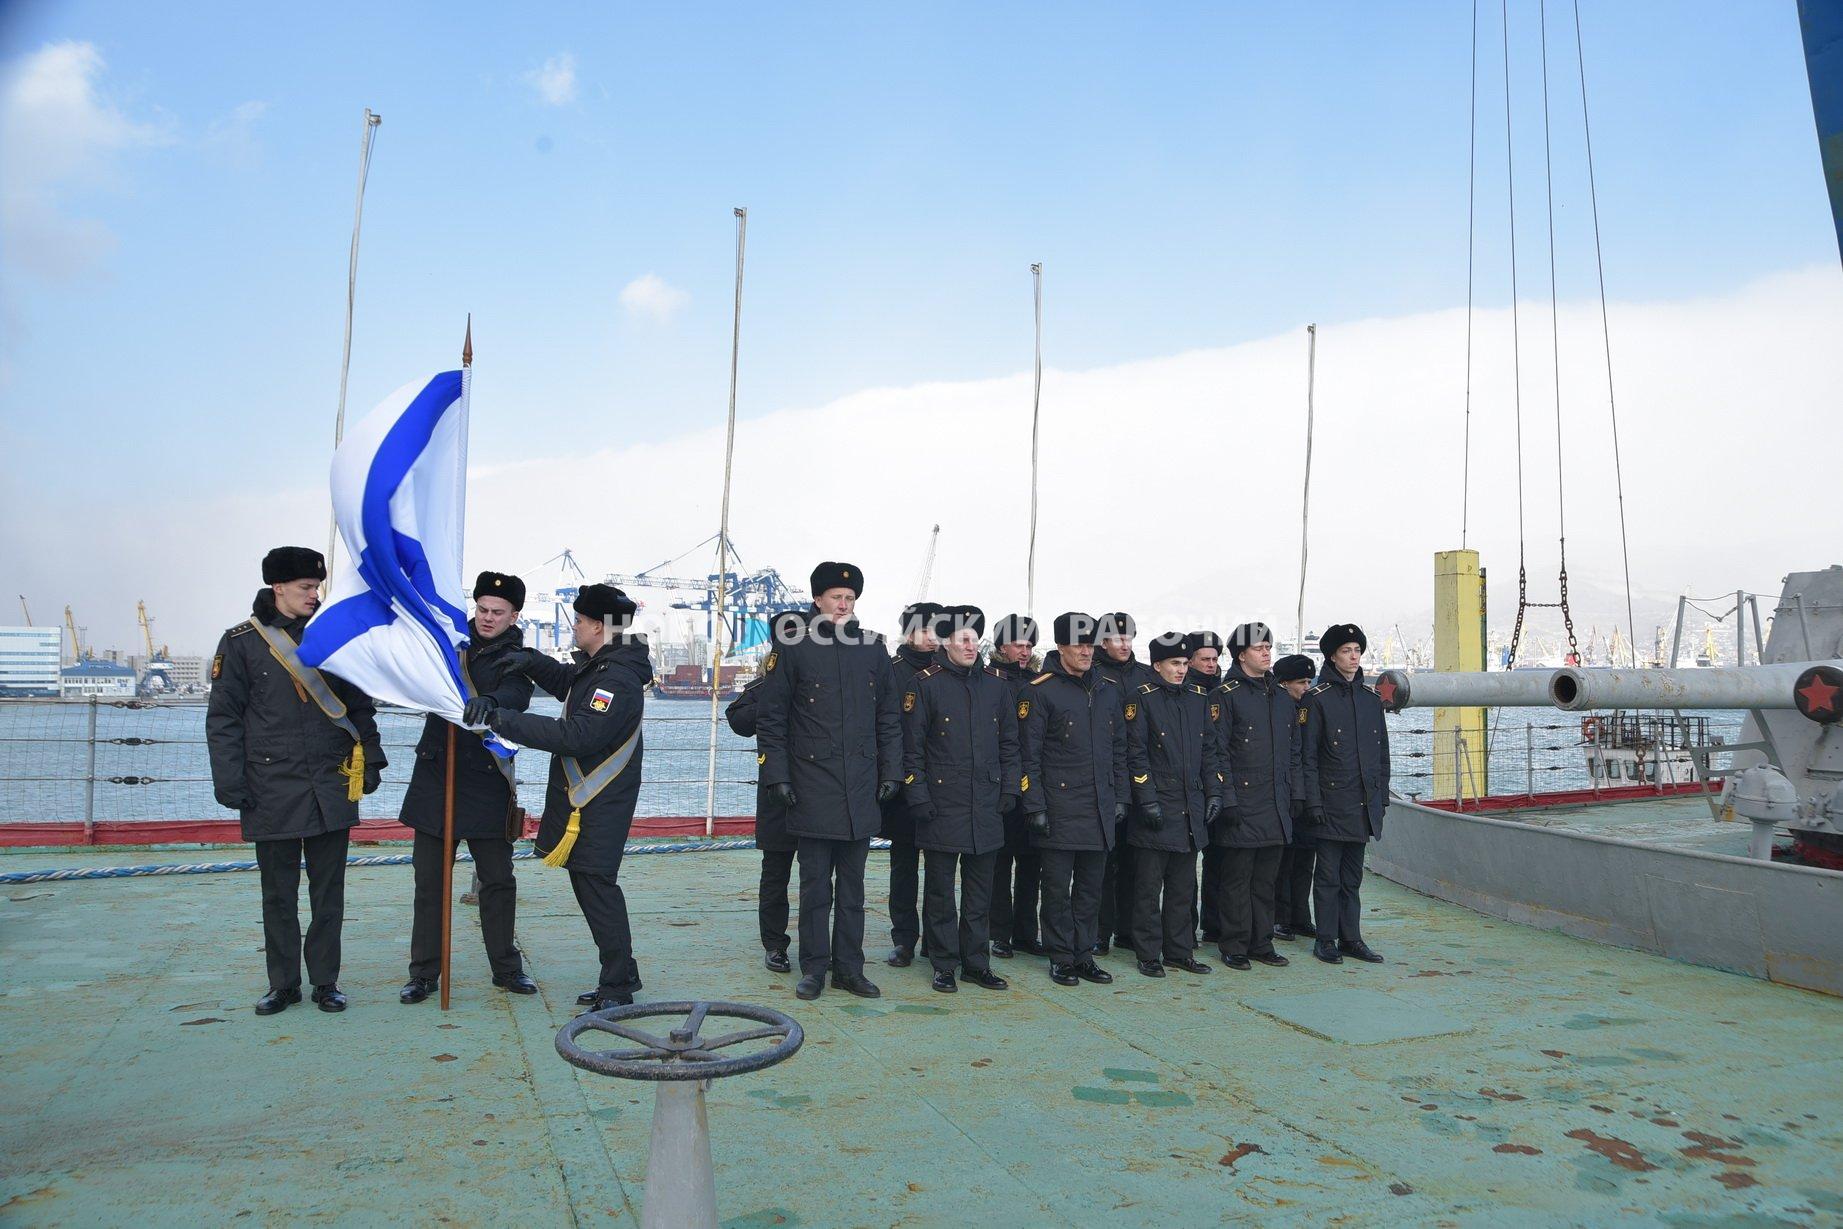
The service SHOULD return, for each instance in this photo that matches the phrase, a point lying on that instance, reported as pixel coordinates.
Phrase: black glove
(1296, 810)
(521, 659)
(1211, 809)
(1119, 813)
(1038, 822)
(888, 790)
(921, 812)
(782, 795)
(1315, 815)
(1008, 803)
(478, 711)
(373, 776)
(1152, 816)
(1231, 818)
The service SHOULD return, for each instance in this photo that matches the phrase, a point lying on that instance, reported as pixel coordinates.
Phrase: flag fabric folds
(397, 619)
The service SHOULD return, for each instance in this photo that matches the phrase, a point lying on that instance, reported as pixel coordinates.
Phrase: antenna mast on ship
(723, 535)
(372, 120)
(1036, 407)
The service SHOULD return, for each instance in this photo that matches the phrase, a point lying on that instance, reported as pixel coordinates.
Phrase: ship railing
(125, 760)
(1544, 760)
(129, 759)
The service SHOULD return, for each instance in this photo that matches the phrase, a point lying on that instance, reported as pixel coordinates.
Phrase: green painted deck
(1487, 1075)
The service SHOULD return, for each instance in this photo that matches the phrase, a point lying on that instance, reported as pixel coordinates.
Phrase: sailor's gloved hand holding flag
(396, 620)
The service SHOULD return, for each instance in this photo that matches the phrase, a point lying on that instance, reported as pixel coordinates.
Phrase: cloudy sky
(175, 209)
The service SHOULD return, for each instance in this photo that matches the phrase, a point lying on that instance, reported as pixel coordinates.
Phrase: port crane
(27, 609)
(77, 651)
(157, 675)
(926, 576)
(750, 598)
(560, 600)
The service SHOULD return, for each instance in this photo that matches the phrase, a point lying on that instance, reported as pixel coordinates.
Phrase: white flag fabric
(397, 619)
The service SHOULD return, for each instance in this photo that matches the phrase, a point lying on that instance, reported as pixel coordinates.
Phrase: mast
(718, 626)
(1036, 408)
(1305, 498)
(345, 358)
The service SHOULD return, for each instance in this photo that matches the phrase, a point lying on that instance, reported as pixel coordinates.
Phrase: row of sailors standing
(1078, 791)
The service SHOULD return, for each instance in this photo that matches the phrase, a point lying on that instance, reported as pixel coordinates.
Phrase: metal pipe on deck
(1760, 687)
(1464, 689)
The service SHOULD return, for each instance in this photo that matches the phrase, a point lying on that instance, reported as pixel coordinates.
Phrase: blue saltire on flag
(396, 621)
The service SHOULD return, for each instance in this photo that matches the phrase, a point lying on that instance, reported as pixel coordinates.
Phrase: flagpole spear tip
(467, 343)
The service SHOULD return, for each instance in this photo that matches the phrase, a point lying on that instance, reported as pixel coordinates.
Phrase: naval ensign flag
(397, 620)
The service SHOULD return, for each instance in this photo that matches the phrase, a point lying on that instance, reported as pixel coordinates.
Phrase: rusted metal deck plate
(1488, 1073)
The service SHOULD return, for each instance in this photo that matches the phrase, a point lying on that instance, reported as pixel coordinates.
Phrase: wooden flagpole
(467, 360)
(447, 865)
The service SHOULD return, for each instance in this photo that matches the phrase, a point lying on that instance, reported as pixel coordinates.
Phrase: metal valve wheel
(684, 1053)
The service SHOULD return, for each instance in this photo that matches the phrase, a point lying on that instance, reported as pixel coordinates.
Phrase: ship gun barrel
(1765, 687)
(1401, 689)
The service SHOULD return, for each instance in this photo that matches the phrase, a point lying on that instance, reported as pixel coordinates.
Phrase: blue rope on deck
(378, 859)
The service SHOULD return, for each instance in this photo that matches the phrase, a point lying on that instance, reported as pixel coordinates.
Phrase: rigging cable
(1612, 405)
(1561, 499)
(1471, 234)
(1516, 351)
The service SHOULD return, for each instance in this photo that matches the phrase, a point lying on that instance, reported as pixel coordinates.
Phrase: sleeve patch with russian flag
(601, 699)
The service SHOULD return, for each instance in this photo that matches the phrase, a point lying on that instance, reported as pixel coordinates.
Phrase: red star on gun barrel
(1386, 689)
(1820, 697)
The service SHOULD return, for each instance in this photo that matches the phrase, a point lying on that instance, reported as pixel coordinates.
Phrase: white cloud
(232, 138)
(59, 137)
(555, 80)
(651, 295)
(1170, 486)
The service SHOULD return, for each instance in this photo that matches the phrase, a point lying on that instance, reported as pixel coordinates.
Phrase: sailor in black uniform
(1292, 893)
(914, 654)
(1015, 873)
(1345, 761)
(1078, 771)
(596, 753)
(1256, 724)
(1115, 658)
(961, 777)
(777, 845)
(486, 812)
(292, 750)
(1179, 744)
(829, 730)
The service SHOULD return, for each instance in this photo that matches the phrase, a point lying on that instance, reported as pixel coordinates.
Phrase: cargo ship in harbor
(692, 682)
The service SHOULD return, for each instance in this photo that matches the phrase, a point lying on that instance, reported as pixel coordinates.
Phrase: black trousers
(1335, 885)
(959, 937)
(279, 864)
(1014, 908)
(1164, 902)
(905, 890)
(1115, 924)
(1072, 902)
(1247, 900)
(832, 905)
(1210, 898)
(771, 907)
(498, 893)
(1292, 891)
(604, 907)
